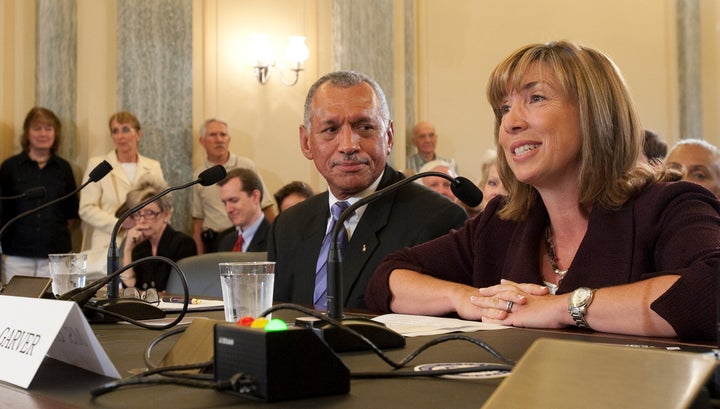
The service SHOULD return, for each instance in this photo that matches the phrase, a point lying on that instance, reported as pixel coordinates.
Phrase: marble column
(689, 69)
(363, 40)
(410, 76)
(154, 81)
(56, 69)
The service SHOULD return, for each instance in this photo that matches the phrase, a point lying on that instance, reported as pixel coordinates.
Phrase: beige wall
(458, 42)
(263, 119)
(710, 37)
(17, 59)
(460, 45)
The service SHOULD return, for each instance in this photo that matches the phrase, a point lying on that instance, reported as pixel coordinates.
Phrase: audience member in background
(27, 242)
(442, 185)
(698, 161)
(242, 192)
(654, 149)
(586, 238)
(210, 220)
(152, 235)
(347, 132)
(100, 200)
(437, 183)
(490, 182)
(292, 194)
(425, 140)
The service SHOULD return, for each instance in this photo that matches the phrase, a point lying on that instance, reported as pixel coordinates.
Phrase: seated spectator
(654, 149)
(425, 140)
(242, 192)
(292, 194)
(490, 182)
(152, 235)
(698, 161)
(437, 183)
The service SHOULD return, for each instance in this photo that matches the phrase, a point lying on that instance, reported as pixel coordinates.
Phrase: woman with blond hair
(152, 235)
(99, 201)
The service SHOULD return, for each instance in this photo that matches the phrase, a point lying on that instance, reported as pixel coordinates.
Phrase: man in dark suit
(242, 191)
(348, 134)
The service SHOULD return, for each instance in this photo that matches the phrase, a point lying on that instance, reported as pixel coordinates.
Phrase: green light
(276, 324)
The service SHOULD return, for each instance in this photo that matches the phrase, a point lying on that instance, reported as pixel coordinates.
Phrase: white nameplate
(31, 328)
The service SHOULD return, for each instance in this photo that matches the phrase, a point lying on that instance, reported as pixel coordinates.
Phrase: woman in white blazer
(99, 201)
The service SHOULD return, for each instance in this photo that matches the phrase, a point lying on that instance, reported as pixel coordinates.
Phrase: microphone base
(129, 307)
(341, 341)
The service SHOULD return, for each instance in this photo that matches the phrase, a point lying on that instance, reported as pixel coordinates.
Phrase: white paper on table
(200, 304)
(417, 325)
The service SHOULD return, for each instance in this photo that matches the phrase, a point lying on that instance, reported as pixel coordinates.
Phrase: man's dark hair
(298, 187)
(249, 179)
(653, 147)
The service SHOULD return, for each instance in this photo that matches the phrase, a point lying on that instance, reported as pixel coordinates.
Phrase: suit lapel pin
(364, 247)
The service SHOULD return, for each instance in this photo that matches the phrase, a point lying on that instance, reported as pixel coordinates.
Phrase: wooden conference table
(58, 385)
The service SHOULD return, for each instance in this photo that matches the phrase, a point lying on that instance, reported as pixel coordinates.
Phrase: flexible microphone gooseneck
(127, 307)
(32, 193)
(461, 187)
(376, 332)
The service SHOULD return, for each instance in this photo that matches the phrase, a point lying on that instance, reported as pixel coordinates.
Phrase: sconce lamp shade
(297, 51)
(262, 57)
(260, 51)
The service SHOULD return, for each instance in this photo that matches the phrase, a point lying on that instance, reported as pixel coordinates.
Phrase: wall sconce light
(262, 56)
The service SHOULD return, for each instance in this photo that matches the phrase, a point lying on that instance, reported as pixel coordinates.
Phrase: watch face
(581, 296)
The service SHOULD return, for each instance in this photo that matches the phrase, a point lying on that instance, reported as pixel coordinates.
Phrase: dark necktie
(320, 294)
(238, 243)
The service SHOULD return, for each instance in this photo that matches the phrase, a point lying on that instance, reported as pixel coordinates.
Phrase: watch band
(578, 314)
(578, 309)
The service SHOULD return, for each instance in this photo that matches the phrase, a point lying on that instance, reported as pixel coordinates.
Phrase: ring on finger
(508, 307)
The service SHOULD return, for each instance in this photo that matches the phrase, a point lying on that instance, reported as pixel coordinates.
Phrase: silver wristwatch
(578, 304)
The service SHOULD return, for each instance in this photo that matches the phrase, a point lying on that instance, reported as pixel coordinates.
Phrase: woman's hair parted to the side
(42, 116)
(611, 131)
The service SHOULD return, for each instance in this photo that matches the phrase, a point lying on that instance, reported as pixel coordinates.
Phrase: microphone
(380, 335)
(32, 193)
(99, 172)
(210, 176)
(114, 303)
(466, 191)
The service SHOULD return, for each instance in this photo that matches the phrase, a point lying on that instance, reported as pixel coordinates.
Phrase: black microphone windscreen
(212, 175)
(102, 169)
(466, 191)
(35, 193)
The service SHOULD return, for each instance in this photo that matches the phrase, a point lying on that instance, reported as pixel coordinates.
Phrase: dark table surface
(58, 385)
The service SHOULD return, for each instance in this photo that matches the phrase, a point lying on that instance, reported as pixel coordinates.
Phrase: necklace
(551, 253)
